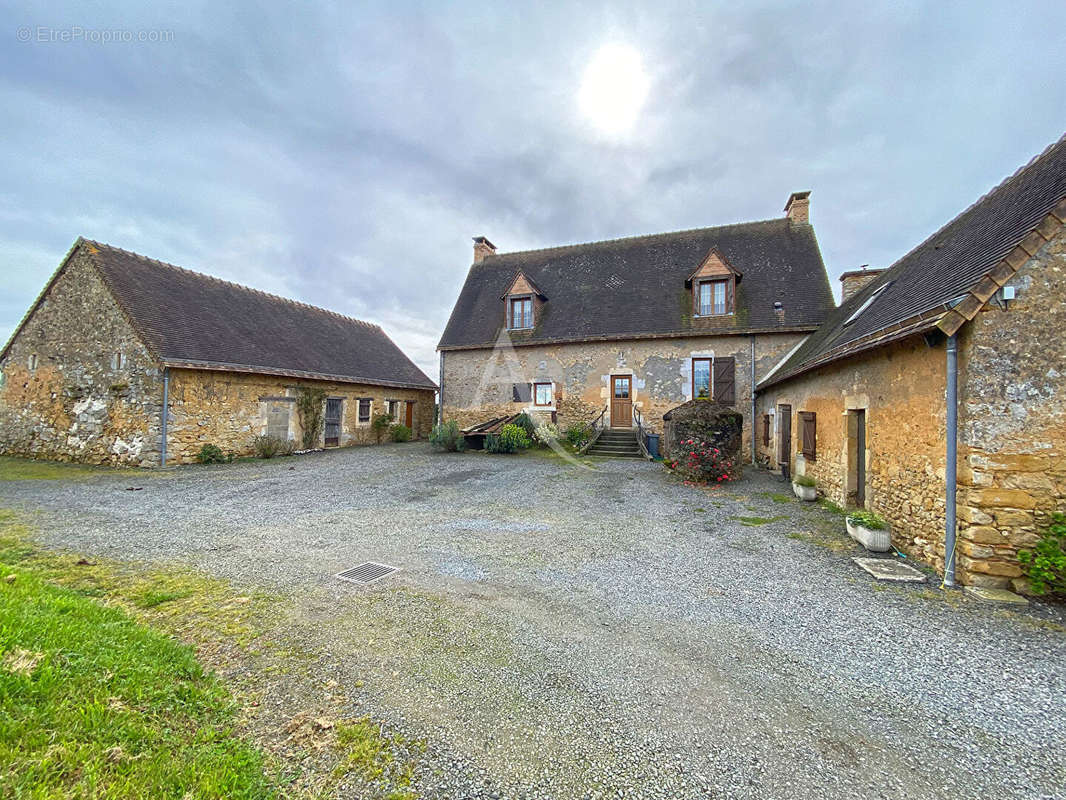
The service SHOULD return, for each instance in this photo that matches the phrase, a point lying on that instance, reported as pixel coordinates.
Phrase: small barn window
(391, 407)
(765, 430)
(31, 362)
(118, 360)
(808, 434)
(365, 404)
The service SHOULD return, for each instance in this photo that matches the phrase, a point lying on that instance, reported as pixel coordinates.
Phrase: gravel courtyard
(559, 631)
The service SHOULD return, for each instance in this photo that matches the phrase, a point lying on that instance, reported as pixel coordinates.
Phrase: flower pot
(807, 493)
(875, 541)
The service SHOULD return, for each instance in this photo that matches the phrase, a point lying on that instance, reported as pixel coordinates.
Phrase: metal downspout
(751, 337)
(951, 467)
(166, 404)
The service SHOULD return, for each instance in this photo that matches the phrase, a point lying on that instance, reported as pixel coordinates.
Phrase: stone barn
(935, 395)
(127, 360)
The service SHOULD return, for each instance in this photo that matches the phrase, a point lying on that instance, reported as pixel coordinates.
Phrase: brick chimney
(798, 208)
(854, 279)
(482, 248)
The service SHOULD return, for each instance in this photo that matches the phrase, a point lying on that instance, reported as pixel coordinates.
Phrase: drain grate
(367, 572)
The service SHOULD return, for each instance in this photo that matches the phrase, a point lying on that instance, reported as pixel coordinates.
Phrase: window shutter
(729, 284)
(508, 312)
(520, 392)
(725, 381)
(810, 434)
(766, 430)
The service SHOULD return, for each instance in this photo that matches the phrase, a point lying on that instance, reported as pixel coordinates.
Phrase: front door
(784, 438)
(333, 421)
(621, 401)
(410, 418)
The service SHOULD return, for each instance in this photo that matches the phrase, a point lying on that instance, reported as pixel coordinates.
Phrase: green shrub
(805, 480)
(380, 424)
(578, 435)
(868, 520)
(525, 422)
(270, 446)
(310, 406)
(1045, 564)
(399, 433)
(510, 439)
(448, 437)
(212, 454)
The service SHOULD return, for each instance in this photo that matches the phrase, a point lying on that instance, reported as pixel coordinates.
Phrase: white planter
(874, 541)
(807, 493)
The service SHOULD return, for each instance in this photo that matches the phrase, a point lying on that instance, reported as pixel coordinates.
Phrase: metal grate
(367, 572)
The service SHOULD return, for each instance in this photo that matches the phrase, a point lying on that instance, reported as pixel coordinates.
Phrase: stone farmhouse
(124, 359)
(632, 328)
(935, 394)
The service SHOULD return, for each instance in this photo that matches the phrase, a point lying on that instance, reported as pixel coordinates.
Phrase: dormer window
(712, 298)
(521, 313)
(713, 286)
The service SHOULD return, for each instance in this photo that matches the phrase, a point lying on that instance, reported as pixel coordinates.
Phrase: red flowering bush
(700, 462)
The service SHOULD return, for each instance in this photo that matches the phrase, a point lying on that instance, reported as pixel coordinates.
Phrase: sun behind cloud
(614, 88)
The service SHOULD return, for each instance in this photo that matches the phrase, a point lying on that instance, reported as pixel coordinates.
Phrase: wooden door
(860, 458)
(621, 401)
(410, 418)
(784, 435)
(333, 421)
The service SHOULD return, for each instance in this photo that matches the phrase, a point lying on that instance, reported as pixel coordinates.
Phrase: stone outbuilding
(622, 331)
(975, 315)
(124, 359)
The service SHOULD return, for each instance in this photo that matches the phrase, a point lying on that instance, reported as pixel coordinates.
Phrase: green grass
(95, 704)
(776, 497)
(830, 506)
(753, 522)
(24, 469)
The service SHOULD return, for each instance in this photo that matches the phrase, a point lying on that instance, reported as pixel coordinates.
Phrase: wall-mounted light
(1005, 295)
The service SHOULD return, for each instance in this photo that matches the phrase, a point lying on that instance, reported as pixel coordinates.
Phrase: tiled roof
(189, 319)
(635, 287)
(916, 292)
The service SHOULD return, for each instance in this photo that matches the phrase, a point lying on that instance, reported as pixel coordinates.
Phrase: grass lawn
(92, 703)
(25, 469)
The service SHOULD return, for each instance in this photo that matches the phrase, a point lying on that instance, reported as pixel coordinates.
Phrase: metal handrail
(642, 433)
(597, 425)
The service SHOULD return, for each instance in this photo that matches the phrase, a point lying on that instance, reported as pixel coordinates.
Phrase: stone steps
(616, 444)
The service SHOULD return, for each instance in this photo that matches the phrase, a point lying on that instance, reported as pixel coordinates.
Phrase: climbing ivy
(310, 405)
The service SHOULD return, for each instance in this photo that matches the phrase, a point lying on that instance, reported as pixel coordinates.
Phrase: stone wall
(95, 394)
(901, 390)
(230, 409)
(1012, 419)
(477, 384)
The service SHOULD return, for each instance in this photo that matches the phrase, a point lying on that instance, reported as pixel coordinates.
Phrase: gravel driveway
(558, 631)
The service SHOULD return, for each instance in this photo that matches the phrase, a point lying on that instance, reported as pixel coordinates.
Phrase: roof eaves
(253, 369)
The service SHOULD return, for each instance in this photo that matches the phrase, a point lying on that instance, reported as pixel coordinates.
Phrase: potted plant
(803, 486)
(869, 530)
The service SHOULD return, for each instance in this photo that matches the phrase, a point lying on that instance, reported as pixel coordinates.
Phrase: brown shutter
(725, 380)
(809, 432)
(766, 430)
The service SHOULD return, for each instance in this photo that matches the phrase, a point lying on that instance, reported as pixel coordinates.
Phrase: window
(118, 361)
(521, 312)
(365, 406)
(542, 394)
(31, 362)
(391, 407)
(808, 434)
(701, 378)
(714, 379)
(712, 298)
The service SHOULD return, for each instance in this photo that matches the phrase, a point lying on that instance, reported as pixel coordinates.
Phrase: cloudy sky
(344, 154)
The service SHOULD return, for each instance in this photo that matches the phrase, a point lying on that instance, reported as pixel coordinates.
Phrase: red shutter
(725, 381)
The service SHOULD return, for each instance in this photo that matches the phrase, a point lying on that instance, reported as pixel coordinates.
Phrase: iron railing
(642, 432)
(597, 426)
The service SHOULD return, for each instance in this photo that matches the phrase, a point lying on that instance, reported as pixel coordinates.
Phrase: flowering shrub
(546, 433)
(700, 462)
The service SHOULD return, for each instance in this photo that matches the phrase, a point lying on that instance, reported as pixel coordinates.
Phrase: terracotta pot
(875, 541)
(807, 493)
